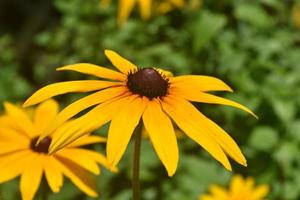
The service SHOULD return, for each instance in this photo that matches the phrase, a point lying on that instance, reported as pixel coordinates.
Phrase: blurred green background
(254, 46)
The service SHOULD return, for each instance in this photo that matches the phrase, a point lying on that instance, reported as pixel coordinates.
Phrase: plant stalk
(136, 163)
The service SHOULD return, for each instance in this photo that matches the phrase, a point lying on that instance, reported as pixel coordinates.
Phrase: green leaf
(263, 138)
(206, 26)
(253, 14)
(293, 130)
(284, 109)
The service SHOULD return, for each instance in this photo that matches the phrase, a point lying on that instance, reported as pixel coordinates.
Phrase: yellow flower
(147, 94)
(125, 7)
(240, 189)
(19, 154)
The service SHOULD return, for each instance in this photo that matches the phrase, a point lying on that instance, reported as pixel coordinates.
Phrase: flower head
(20, 155)
(147, 94)
(240, 188)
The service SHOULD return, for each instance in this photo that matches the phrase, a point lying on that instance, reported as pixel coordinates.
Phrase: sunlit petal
(209, 98)
(31, 178)
(197, 83)
(162, 135)
(183, 113)
(44, 115)
(122, 127)
(125, 8)
(53, 175)
(87, 140)
(84, 125)
(124, 65)
(20, 118)
(66, 87)
(82, 104)
(12, 165)
(91, 69)
(80, 177)
(145, 6)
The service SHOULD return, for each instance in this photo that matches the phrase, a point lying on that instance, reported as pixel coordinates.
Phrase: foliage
(252, 45)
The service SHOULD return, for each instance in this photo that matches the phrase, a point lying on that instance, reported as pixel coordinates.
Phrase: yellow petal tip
(6, 104)
(228, 167)
(27, 103)
(170, 174)
(107, 51)
(60, 69)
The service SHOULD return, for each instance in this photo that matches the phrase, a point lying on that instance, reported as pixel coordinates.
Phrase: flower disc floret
(148, 82)
(42, 146)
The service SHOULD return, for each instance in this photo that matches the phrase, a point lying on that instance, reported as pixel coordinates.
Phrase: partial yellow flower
(20, 156)
(126, 7)
(147, 94)
(296, 15)
(240, 189)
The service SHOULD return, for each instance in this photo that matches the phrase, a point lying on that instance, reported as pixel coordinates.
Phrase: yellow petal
(122, 127)
(221, 137)
(177, 3)
(81, 105)
(53, 175)
(89, 155)
(91, 121)
(209, 98)
(87, 140)
(31, 178)
(20, 118)
(83, 179)
(10, 147)
(260, 192)
(145, 7)
(90, 69)
(9, 135)
(119, 62)
(236, 185)
(44, 115)
(11, 131)
(207, 197)
(81, 159)
(105, 3)
(125, 8)
(13, 164)
(218, 192)
(164, 7)
(196, 83)
(185, 115)
(66, 87)
(249, 184)
(162, 135)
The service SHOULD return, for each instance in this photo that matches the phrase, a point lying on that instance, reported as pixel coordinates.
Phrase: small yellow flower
(148, 94)
(240, 189)
(125, 7)
(20, 156)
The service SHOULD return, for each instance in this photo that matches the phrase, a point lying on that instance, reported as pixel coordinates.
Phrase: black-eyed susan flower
(20, 156)
(240, 189)
(146, 94)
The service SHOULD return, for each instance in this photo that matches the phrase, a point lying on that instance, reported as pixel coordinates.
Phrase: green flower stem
(45, 190)
(136, 163)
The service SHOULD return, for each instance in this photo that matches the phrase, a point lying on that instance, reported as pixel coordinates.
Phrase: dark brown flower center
(42, 147)
(148, 82)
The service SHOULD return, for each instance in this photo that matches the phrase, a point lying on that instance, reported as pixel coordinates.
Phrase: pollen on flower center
(148, 82)
(43, 146)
